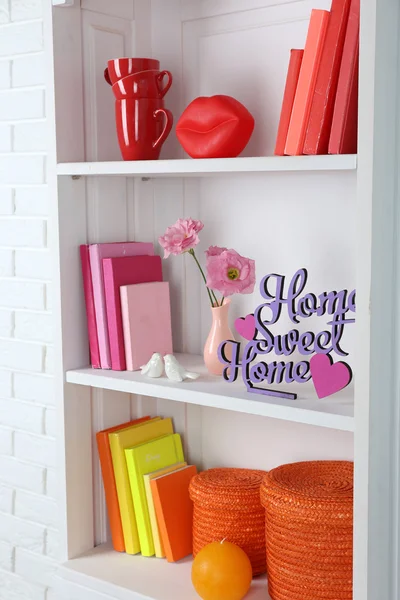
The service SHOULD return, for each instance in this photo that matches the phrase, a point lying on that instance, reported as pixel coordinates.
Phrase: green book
(141, 460)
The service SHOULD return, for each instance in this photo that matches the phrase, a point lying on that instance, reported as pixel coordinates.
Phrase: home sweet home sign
(336, 308)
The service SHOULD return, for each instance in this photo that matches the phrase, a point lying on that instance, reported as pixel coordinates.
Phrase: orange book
(107, 471)
(174, 510)
(296, 57)
(307, 80)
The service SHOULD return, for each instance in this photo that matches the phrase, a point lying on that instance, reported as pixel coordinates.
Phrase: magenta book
(146, 319)
(126, 270)
(90, 310)
(97, 253)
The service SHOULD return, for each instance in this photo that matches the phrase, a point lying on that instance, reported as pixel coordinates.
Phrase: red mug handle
(169, 121)
(159, 81)
(107, 76)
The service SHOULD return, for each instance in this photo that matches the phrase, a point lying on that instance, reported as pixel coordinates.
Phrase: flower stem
(216, 299)
(192, 253)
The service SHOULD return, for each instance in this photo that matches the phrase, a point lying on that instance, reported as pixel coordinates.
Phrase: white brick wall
(32, 201)
(28, 70)
(29, 540)
(5, 130)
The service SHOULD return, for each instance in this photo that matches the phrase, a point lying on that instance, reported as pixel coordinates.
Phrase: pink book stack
(125, 335)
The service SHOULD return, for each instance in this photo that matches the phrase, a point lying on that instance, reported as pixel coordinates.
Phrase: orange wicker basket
(227, 506)
(309, 530)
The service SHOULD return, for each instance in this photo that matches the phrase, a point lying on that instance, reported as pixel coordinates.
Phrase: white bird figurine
(154, 367)
(175, 371)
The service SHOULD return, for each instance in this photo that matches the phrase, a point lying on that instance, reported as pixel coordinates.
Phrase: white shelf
(126, 577)
(210, 166)
(335, 413)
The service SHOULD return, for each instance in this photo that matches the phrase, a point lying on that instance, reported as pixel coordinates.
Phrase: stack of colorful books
(124, 290)
(146, 482)
(320, 104)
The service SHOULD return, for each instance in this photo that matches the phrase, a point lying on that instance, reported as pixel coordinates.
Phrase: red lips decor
(215, 127)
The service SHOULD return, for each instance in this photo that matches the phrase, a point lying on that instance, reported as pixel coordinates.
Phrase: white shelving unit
(337, 216)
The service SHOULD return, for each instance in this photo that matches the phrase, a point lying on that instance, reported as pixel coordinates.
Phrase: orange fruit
(221, 571)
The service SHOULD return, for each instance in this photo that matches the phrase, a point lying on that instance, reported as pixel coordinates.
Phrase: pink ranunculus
(181, 237)
(229, 273)
(214, 251)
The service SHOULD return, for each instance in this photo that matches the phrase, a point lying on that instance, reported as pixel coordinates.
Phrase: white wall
(28, 511)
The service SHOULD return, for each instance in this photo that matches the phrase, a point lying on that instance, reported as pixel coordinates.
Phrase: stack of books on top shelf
(146, 482)
(320, 104)
(124, 292)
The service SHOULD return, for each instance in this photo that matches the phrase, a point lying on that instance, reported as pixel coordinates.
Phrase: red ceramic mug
(143, 125)
(145, 84)
(122, 67)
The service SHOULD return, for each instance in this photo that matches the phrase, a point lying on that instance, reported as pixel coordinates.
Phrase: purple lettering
(286, 344)
(277, 298)
(321, 340)
(231, 371)
(336, 304)
(301, 372)
(258, 372)
(333, 303)
(296, 287)
(352, 301)
(307, 306)
(305, 341)
(337, 332)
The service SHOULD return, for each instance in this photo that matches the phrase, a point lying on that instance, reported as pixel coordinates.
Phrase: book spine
(109, 482)
(343, 139)
(296, 57)
(114, 318)
(158, 543)
(307, 80)
(129, 526)
(139, 502)
(100, 308)
(321, 113)
(126, 327)
(107, 471)
(158, 507)
(90, 309)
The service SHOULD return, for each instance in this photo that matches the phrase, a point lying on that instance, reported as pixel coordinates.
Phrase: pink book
(126, 270)
(146, 319)
(90, 310)
(307, 80)
(97, 253)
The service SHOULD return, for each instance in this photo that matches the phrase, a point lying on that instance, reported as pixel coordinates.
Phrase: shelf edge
(213, 166)
(248, 406)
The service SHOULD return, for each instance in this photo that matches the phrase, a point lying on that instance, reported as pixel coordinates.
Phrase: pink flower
(229, 273)
(214, 251)
(181, 237)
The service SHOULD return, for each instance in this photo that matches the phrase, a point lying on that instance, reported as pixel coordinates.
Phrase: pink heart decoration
(246, 327)
(329, 378)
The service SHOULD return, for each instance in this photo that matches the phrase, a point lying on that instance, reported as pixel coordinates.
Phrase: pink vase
(219, 332)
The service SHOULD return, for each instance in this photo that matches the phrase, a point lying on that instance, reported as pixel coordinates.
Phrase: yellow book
(158, 544)
(138, 434)
(140, 460)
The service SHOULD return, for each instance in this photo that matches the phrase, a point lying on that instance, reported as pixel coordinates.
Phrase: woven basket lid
(317, 484)
(228, 488)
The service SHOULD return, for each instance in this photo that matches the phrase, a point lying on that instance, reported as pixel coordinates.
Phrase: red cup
(145, 84)
(143, 125)
(122, 67)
